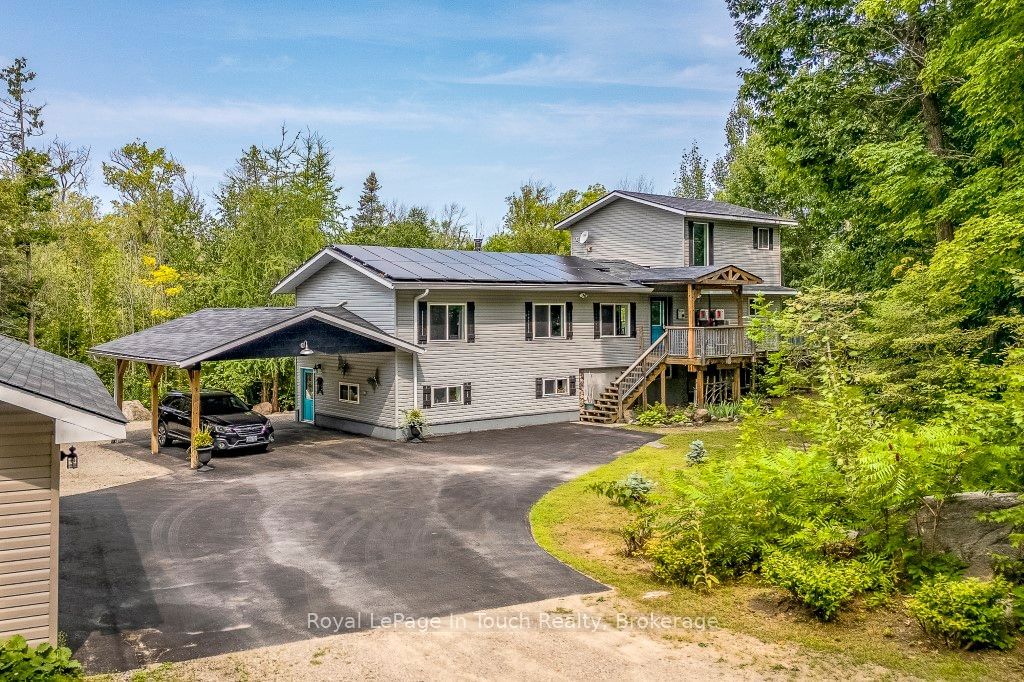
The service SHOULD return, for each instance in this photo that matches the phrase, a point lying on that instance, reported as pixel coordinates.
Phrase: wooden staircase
(606, 408)
(630, 386)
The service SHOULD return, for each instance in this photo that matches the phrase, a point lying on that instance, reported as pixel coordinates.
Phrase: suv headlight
(222, 429)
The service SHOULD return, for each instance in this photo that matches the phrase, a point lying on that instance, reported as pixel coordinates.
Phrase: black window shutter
(572, 385)
(632, 319)
(568, 319)
(711, 243)
(426, 396)
(529, 322)
(597, 320)
(470, 322)
(467, 396)
(689, 240)
(421, 315)
(771, 238)
(540, 387)
(755, 237)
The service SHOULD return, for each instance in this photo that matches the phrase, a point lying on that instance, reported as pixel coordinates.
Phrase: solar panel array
(447, 265)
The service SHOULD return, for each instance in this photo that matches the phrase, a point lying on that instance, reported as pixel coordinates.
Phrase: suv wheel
(162, 437)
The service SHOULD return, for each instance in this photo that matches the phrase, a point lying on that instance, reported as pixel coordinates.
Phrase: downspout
(415, 313)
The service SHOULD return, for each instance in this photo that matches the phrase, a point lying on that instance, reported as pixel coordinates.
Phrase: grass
(581, 528)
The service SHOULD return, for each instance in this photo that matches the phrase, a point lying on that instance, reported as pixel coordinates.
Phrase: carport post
(193, 384)
(119, 370)
(154, 400)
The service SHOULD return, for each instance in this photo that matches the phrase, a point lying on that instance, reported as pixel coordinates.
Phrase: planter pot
(415, 433)
(205, 455)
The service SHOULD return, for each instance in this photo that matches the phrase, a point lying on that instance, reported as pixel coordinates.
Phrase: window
(764, 238)
(548, 321)
(447, 395)
(556, 387)
(446, 322)
(614, 319)
(348, 393)
(700, 244)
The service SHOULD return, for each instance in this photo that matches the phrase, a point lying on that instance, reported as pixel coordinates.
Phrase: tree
(692, 178)
(532, 213)
(371, 215)
(20, 120)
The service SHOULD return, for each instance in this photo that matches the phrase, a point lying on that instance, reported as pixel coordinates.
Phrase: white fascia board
(316, 263)
(312, 314)
(470, 286)
(69, 420)
(740, 219)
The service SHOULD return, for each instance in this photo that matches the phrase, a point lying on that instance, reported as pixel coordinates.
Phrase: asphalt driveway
(348, 528)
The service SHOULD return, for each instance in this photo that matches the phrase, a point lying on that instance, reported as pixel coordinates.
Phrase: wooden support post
(155, 372)
(698, 391)
(193, 384)
(691, 321)
(736, 384)
(664, 392)
(119, 371)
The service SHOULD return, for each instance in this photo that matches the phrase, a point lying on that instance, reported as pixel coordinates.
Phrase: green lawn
(580, 528)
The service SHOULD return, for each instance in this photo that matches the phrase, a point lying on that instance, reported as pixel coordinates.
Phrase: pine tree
(371, 214)
(692, 179)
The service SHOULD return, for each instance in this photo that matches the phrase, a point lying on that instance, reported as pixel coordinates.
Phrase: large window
(348, 393)
(548, 321)
(556, 386)
(614, 319)
(447, 322)
(447, 395)
(764, 238)
(700, 244)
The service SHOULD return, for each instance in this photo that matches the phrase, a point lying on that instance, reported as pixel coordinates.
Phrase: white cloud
(260, 65)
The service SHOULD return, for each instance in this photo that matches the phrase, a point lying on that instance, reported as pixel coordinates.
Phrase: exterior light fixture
(304, 348)
(71, 456)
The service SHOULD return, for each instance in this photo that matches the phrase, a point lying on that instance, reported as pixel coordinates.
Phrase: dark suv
(230, 421)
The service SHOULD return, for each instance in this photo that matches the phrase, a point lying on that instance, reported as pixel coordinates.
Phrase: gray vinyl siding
(376, 407)
(501, 365)
(337, 283)
(625, 230)
(734, 245)
(29, 523)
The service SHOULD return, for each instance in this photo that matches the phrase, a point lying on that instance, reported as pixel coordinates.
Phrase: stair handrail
(659, 347)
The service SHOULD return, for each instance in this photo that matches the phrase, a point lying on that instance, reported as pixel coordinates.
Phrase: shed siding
(29, 523)
(501, 365)
(337, 283)
(375, 407)
(625, 230)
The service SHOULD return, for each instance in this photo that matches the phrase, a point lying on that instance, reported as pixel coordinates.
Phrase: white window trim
(430, 324)
(549, 306)
(693, 236)
(544, 386)
(629, 321)
(767, 241)
(359, 393)
(446, 387)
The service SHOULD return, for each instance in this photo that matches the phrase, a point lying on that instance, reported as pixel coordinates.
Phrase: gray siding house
(650, 305)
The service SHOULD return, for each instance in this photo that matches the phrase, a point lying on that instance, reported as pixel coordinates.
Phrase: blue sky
(447, 102)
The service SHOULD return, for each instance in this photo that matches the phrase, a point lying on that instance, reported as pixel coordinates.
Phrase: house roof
(697, 208)
(238, 333)
(393, 266)
(55, 378)
(697, 274)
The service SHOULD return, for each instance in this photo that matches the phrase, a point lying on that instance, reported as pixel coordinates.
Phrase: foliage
(202, 439)
(823, 586)
(654, 415)
(533, 212)
(966, 614)
(19, 661)
(632, 494)
(692, 181)
(697, 453)
(724, 410)
(414, 417)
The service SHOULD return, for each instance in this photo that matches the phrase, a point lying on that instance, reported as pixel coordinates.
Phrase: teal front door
(657, 318)
(308, 390)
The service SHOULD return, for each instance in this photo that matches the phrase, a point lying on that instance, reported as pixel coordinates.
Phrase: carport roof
(237, 333)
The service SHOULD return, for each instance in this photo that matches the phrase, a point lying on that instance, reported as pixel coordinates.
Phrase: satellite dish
(584, 236)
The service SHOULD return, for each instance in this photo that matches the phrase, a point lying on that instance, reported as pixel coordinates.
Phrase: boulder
(135, 411)
(701, 416)
(263, 408)
(956, 529)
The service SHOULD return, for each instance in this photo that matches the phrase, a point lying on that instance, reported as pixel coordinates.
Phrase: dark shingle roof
(205, 330)
(645, 275)
(721, 208)
(50, 376)
(478, 267)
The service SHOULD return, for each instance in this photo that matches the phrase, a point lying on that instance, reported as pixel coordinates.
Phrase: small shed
(46, 401)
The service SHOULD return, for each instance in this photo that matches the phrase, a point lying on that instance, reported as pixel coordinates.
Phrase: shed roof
(55, 378)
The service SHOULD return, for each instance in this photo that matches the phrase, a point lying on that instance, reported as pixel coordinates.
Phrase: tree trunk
(31, 297)
(263, 390)
(273, 399)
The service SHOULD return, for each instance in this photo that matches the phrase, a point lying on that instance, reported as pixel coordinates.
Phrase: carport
(239, 334)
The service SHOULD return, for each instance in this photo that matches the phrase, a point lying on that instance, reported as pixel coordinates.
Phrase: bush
(698, 454)
(724, 410)
(824, 587)
(632, 494)
(965, 614)
(655, 415)
(19, 661)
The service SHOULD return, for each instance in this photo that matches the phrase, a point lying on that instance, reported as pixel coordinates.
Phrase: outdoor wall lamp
(71, 456)
(304, 348)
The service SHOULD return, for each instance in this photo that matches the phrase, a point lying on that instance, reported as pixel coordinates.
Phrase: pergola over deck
(239, 334)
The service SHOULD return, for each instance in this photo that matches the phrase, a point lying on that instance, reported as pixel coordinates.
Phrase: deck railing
(714, 342)
(644, 365)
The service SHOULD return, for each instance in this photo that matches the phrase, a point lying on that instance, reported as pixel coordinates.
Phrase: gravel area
(100, 466)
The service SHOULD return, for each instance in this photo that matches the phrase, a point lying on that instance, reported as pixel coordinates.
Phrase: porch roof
(728, 275)
(250, 333)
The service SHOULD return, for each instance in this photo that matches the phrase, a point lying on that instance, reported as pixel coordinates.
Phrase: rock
(655, 594)
(957, 530)
(263, 408)
(135, 411)
(701, 415)
(628, 416)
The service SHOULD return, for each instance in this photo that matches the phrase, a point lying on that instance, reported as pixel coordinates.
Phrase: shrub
(698, 454)
(965, 614)
(822, 586)
(633, 494)
(19, 661)
(724, 410)
(202, 439)
(654, 415)
(414, 417)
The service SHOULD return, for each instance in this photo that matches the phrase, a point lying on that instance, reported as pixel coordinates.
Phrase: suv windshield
(222, 404)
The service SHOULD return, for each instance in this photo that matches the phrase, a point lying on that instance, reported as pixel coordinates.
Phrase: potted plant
(202, 443)
(416, 424)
